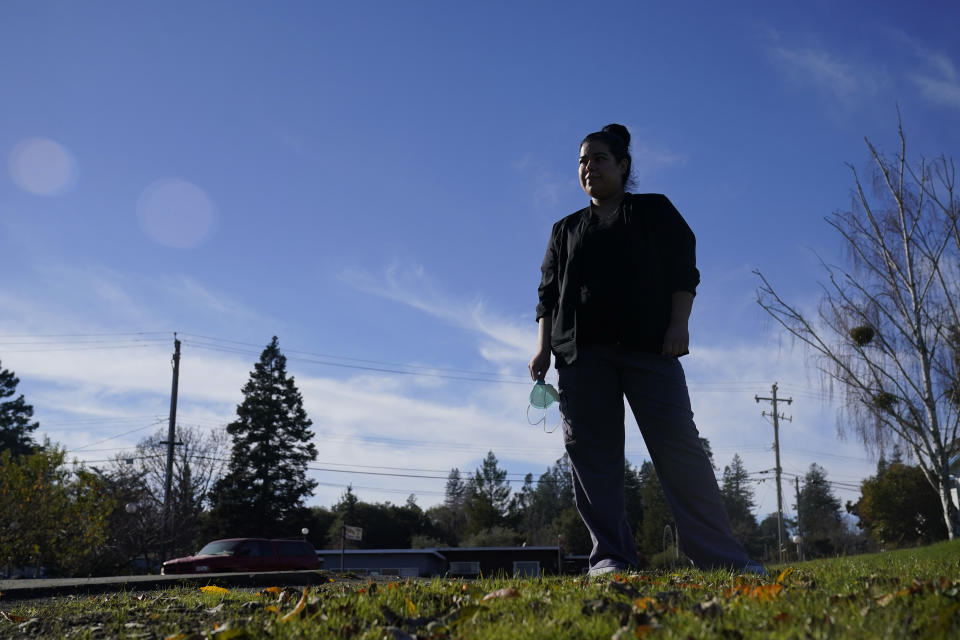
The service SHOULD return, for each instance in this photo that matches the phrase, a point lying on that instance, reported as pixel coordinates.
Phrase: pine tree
(819, 511)
(633, 497)
(656, 511)
(488, 496)
(449, 517)
(15, 425)
(266, 481)
(456, 490)
(738, 501)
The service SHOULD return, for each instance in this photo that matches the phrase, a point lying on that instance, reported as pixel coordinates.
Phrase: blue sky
(374, 182)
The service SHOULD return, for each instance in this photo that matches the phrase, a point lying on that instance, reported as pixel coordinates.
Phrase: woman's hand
(540, 365)
(676, 341)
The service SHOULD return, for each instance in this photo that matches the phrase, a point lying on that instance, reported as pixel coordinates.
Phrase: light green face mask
(543, 395)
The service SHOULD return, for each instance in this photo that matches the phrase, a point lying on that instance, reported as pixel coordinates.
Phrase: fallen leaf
(890, 597)
(508, 592)
(297, 609)
(689, 585)
(214, 589)
(229, 633)
(644, 603)
(11, 617)
(783, 575)
(270, 590)
(781, 618)
(766, 592)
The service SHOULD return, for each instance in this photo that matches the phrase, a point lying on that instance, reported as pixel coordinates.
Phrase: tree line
(250, 479)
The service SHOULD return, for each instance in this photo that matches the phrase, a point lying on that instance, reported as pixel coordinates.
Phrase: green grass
(911, 593)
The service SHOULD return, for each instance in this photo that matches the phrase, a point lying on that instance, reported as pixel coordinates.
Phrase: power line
(361, 360)
(61, 349)
(82, 335)
(344, 365)
(153, 424)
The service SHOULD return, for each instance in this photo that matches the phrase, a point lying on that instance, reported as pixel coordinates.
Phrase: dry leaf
(297, 609)
(508, 592)
(11, 617)
(783, 574)
(411, 608)
(642, 604)
(229, 633)
(214, 589)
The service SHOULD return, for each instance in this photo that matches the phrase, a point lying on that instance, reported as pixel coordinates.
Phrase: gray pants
(591, 401)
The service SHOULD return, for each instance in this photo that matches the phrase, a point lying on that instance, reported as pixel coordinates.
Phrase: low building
(468, 562)
(511, 561)
(403, 563)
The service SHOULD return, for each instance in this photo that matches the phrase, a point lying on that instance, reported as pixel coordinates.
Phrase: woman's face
(601, 176)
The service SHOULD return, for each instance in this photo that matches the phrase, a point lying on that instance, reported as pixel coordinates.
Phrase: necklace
(605, 215)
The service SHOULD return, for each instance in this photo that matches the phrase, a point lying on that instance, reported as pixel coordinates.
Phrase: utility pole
(776, 447)
(796, 484)
(171, 434)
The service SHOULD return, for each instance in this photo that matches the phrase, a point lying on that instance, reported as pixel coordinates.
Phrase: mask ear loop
(542, 420)
(545, 430)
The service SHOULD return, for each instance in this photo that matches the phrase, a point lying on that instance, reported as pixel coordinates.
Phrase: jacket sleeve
(681, 259)
(549, 289)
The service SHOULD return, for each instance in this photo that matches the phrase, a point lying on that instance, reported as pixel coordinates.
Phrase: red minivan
(246, 555)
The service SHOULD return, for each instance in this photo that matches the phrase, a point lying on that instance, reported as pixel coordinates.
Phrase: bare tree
(198, 461)
(888, 328)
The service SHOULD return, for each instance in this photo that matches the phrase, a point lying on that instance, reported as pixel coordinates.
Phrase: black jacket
(663, 260)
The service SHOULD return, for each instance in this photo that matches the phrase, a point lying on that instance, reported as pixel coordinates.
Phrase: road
(46, 587)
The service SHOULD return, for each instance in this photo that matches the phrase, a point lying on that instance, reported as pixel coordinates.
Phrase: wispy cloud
(503, 342)
(847, 82)
(648, 159)
(938, 82)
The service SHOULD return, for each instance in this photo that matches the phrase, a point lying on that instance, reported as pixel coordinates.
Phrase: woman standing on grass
(619, 277)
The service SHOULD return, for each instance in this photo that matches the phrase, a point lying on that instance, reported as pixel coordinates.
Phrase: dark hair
(617, 139)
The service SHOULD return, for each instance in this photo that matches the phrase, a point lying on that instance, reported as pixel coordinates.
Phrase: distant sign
(352, 533)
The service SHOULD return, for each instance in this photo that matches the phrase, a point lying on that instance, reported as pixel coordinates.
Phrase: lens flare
(176, 213)
(42, 167)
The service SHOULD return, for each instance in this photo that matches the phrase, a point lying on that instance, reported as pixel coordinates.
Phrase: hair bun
(618, 130)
